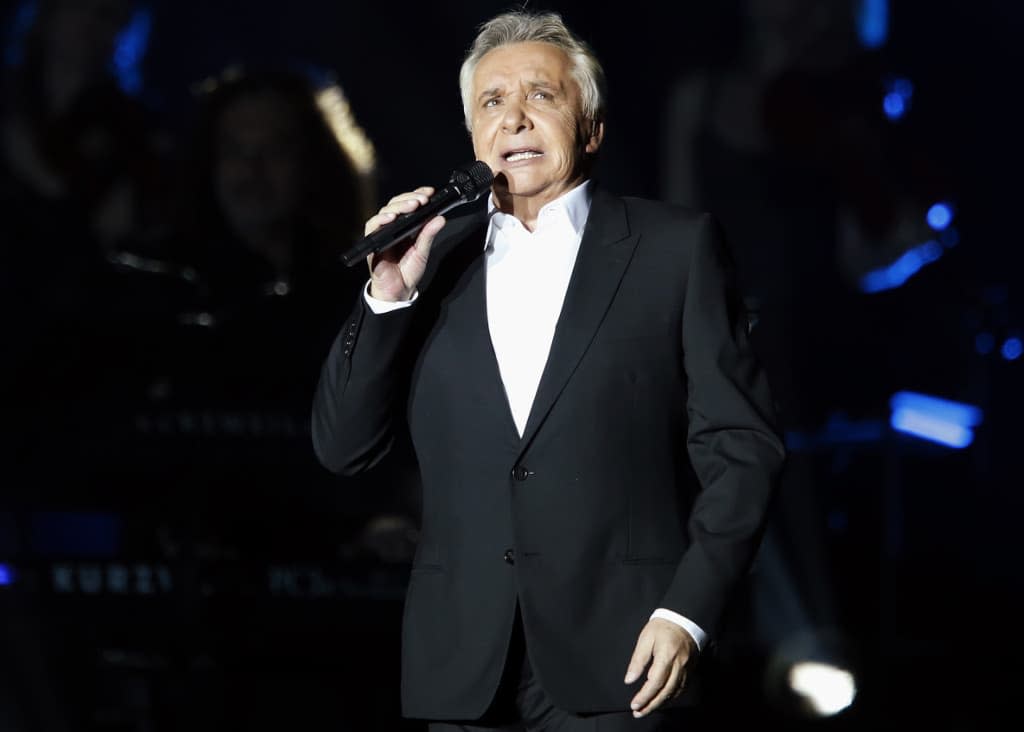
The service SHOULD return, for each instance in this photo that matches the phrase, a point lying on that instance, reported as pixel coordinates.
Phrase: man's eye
(541, 95)
(491, 103)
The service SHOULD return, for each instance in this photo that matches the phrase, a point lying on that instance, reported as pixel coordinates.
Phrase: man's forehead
(518, 62)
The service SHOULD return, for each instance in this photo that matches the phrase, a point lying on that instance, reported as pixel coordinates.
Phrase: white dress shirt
(527, 276)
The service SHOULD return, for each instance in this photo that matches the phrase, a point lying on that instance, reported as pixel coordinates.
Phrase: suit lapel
(605, 251)
(462, 279)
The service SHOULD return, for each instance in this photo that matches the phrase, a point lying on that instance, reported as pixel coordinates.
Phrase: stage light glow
(353, 140)
(898, 93)
(933, 430)
(945, 409)
(906, 266)
(129, 50)
(873, 22)
(940, 216)
(984, 343)
(938, 420)
(1012, 348)
(894, 106)
(827, 689)
(6, 575)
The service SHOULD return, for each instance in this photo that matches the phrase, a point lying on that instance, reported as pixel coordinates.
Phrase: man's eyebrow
(533, 84)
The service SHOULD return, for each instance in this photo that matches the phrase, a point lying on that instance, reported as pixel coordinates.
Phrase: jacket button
(520, 473)
(510, 556)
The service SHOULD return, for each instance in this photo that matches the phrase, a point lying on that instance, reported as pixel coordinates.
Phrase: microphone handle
(404, 225)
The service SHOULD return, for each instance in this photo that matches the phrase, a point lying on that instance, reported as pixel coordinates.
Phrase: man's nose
(515, 118)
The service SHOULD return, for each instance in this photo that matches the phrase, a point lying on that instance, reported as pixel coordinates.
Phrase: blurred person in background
(74, 136)
(82, 165)
(784, 136)
(278, 179)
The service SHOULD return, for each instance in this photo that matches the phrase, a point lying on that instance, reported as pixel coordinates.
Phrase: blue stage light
(940, 216)
(1012, 348)
(129, 50)
(984, 343)
(935, 419)
(873, 22)
(898, 94)
(6, 575)
(930, 251)
(894, 106)
(933, 430)
(906, 266)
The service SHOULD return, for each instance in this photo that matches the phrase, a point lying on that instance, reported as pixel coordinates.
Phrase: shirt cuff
(379, 307)
(695, 631)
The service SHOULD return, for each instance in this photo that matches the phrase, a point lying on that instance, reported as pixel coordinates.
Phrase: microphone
(465, 185)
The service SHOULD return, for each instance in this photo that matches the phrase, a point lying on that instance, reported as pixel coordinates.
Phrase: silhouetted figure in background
(786, 139)
(73, 140)
(82, 165)
(277, 179)
(280, 179)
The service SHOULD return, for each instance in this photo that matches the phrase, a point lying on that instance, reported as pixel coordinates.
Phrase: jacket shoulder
(649, 213)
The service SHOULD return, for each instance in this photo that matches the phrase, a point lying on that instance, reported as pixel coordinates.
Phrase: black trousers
(521, 705)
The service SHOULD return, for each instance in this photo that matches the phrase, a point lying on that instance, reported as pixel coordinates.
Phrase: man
(565, 362)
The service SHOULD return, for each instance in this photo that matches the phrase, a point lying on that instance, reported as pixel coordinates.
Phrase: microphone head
(473, 180)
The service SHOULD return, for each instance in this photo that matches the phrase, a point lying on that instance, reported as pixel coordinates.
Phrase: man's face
(258, 170)
(527, 122)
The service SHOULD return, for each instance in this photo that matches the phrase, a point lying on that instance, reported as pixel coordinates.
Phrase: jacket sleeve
(359, 390)
(732, 441)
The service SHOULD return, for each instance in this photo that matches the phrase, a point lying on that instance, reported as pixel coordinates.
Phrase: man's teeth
(517, 156)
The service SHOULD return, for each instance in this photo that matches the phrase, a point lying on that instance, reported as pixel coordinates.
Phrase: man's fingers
(395, 272)
(420, 195)
(680, 683)
(376, 221)
(424, 240)
(406, 205)
(641, 655)
(402, 203)
(665, 692)
(656, 680)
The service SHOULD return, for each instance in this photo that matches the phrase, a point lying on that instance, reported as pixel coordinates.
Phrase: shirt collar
(575, 203)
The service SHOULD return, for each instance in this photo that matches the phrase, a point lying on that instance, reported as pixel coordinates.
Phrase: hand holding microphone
(396, 271)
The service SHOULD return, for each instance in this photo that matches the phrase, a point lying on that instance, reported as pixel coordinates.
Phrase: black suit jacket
(650, 382)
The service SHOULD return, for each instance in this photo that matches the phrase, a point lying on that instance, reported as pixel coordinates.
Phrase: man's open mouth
(514, 156)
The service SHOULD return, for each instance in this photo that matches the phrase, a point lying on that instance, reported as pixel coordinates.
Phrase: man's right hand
(396, 272)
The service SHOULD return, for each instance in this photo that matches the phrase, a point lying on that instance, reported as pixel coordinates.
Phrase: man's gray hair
(524, 27)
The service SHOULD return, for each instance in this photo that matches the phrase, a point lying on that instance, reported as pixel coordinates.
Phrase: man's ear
(596, 137)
